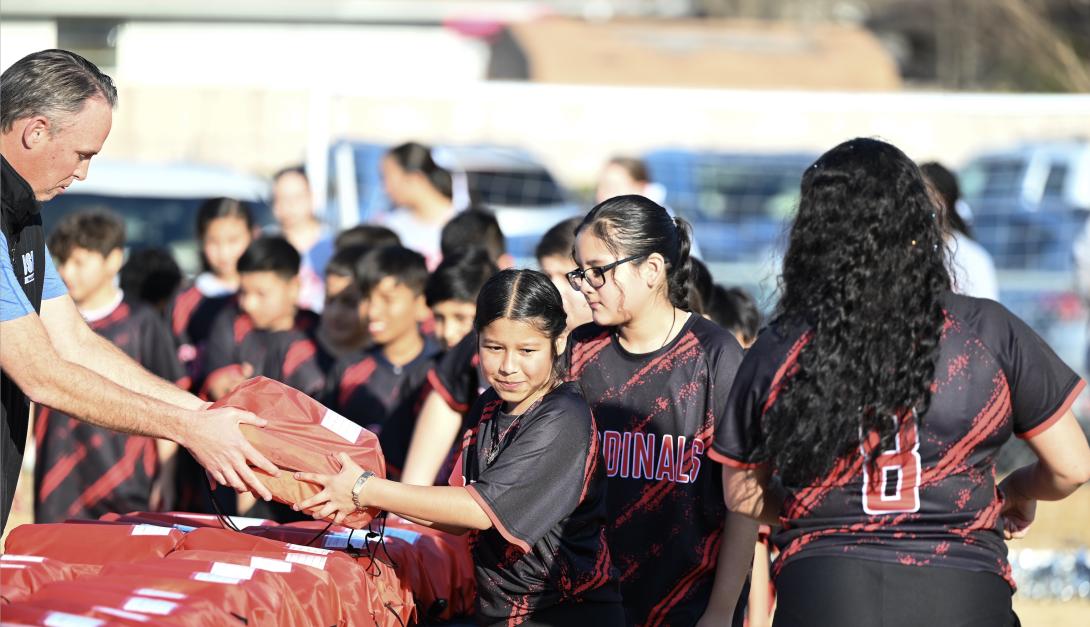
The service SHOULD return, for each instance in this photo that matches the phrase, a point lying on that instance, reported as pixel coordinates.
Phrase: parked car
(159, 201)
(524, 195)
(1029, 201)
(740, 204)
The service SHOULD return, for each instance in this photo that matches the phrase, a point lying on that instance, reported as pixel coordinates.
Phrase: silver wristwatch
(356, 489)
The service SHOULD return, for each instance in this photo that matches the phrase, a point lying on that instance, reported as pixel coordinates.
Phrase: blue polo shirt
(13, 301)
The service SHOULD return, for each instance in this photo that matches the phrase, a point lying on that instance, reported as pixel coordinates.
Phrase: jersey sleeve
(221, 354)
(739, 436)
(725, 361)
(53, 286)
(13, 301)
(538, 480)
(1042, 386)
(454, 376)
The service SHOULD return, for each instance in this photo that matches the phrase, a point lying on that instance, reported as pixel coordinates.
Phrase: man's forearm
(82, 393)
(100, 355)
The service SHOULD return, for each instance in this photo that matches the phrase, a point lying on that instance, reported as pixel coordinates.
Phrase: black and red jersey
(84, 471)
(292, 357)
(457, 375)
(657, 414)
(191, 313)
(381, 397)
(540, 479)
(932, 500)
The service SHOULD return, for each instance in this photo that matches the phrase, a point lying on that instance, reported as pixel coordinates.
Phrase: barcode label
(62, 619)
(307, 560)
(234, 571)
(151, 530)
(144, 605)
(271, 565)
(342, 426)
(336, 541)
(162, 594)
(309, 549)
(21, 558)
(210, 578)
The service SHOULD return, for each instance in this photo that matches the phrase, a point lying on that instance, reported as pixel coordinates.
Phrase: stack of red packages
(93, 543)
(23, 575)
(303, 435)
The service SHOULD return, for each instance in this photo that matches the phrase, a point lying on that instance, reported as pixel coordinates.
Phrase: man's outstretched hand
(214, 439)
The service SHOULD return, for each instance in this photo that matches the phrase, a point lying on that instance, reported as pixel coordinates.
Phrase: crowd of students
(599, 423)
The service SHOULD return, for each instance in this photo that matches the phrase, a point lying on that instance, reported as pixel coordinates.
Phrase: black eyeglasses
(595, 276)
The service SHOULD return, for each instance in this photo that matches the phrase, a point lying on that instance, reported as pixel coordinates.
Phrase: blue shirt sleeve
(53, 286)
(13, 301)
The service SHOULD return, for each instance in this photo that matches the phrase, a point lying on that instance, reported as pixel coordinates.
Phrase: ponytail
(635, 225)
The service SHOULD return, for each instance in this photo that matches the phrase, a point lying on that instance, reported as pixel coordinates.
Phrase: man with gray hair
(56, 109)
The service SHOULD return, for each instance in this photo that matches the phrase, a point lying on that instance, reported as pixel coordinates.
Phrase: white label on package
(210, 578)
(307, 560)
(21, 558)
(10, 566)
(402, 534)
(234, 571)
(309, 549)
(62, 619)
(342, 426)
(336, 541)
(131, 617)
(271, 565)
(162, 594)
(151, 530)
(144, 605)
(243, 522)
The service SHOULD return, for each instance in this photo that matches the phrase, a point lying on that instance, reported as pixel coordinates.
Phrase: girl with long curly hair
(867, 418)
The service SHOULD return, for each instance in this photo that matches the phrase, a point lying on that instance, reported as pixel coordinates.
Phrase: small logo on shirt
(28, 267)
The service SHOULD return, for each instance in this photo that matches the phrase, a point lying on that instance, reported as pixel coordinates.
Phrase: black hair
(369, 235)
(406, 266)
(735, 310)
(292, 169)
(473, 228)
(865, 275)
(559, 239)
(459, 277)
(416, 157)
(151, 275)
(97, 230)
(344, 260)
(270, 253)
(701, 286)
(945, 184)
(216, 208)
(635, 225)
(525, 296)
(633, 166)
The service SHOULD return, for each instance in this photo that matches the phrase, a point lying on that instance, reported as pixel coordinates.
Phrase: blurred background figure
(971, 267)
(293, 207)
(627, 175)
(421, 193)
(734, 309)
(152, 276)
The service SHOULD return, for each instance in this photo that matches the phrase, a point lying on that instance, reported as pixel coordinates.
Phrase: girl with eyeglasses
(867, 418)
(657, 377)
(529, 480)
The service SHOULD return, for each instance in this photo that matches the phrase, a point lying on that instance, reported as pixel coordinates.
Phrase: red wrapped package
(314, 588)
(261, 597)
(185, 521)
(438, 567)
(303, 435)
(350, 580)
(22, 575)
(130, 603)
(93, 543)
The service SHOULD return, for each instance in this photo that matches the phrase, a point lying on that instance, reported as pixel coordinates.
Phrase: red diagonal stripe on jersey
(243, 325)
(115, 476)
(709, 557)
(586, 351)
(60, 470)
(984, 424)
(687, 343)
(600, 574)
(184, 306)
(115, 316)
(809, 497)
(298, 353)
(592, 459)
(437, 385)
(651, 495)
(985, 519)
(789, 364)
(40, 424)
(354, 376)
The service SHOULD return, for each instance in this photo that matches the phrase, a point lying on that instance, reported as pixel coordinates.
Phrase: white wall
(19, 38)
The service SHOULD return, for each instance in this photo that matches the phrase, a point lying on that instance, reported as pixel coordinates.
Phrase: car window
(149, 222)
(993, 177)
(517, 188)
(1054, 184)
(743, 191)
